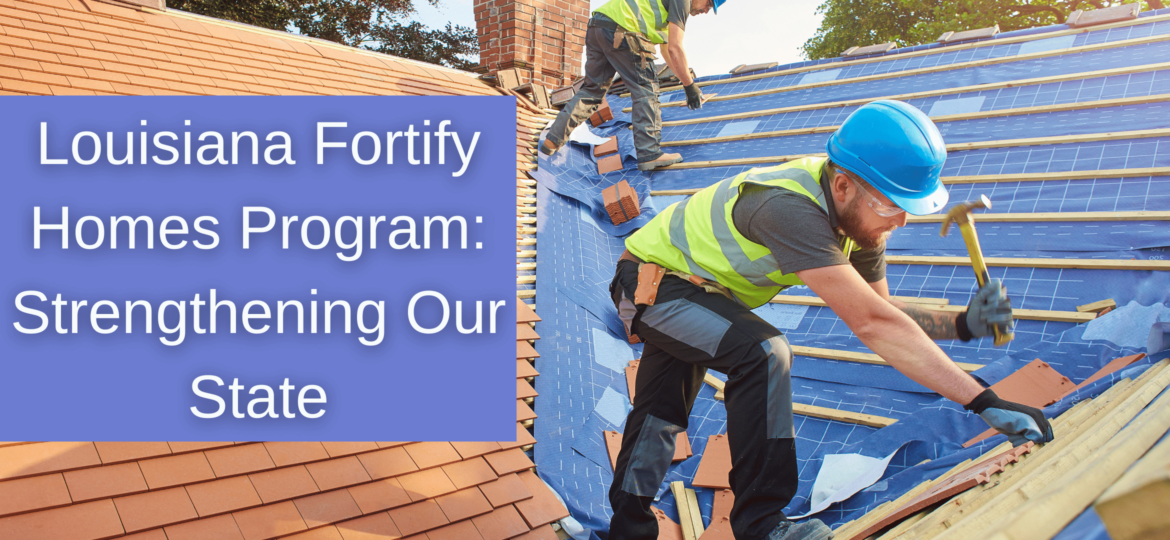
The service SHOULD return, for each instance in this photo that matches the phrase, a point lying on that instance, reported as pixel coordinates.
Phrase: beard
(849, 222)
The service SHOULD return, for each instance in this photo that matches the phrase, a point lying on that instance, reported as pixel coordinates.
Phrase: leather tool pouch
(619, 37)
(649, 276)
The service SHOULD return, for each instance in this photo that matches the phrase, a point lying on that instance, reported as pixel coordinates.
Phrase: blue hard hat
(898, 150)
(715, 5)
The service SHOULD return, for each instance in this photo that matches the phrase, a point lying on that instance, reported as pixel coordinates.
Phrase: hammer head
(961, 213)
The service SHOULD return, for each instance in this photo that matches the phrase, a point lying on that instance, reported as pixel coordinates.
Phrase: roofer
(622, 40)
(733, 246)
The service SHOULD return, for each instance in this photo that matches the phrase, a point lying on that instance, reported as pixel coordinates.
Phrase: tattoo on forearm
(936, 324)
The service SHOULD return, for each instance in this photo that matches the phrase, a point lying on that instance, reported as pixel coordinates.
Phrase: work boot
(662, 161)
(548, 148)
(812, 529)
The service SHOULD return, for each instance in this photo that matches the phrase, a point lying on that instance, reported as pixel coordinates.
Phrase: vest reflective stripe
(698, 235)
(633, 15)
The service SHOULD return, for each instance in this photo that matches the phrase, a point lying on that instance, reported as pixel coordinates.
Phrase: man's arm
(889, 332)
(675, 56)
(936, 324)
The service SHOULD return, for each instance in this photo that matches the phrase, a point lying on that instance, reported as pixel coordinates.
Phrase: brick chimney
(545, 39)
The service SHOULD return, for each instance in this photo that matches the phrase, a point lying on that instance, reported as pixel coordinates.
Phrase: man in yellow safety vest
(621, 39)
(688, 281)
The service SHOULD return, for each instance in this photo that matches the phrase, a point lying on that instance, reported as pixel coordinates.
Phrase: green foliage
(377, 25)
(910, 22)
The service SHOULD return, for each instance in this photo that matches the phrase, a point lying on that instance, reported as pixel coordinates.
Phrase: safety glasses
(880, 208)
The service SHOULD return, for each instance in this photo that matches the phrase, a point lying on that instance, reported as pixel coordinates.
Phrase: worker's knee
(779, 366)
(651, 457)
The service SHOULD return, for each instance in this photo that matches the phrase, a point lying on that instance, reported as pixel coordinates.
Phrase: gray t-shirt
(799, 233)
(677, 12)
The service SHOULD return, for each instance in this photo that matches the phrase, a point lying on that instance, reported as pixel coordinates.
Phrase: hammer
(961, 214)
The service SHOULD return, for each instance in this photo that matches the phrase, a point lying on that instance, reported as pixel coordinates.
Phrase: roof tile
(387, 463)
(464, 530)
(543, 507)
(524, 412)
(338, 449)
(239, 460)
(269, 521)
(107, 481)
(469, 450)
(469, 473)
(291, 453)
(507, 490)
(544, 532)
(155, 509)
(509, 461)
(323, 533)
(153, 534)
(336, 473)
(432, 454)
(326, 508)
(464, 504)
(117, 452)
(213, 528)
(87, 521)
(380, 495)
(176, 470)
(418, 517)
(523, 438)
(426, 484)
(500, 524)
(227, 495)
(376, 527)
(34, 493)
(281, 484)
(33, 459)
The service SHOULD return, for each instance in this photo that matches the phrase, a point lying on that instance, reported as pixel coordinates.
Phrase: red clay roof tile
(523, 438)
(155, 509)
(544, 532)
(471, 472)
(269, 521)
(525, 370)
(500, 524)
(543, 507)
(243, 459)
(36, 493)
(524, 390)
(509, 461)
(281, 484)
(33, 459)
(464, 504)
(387, 463)
(525, 332)
(418, 517)
(183, 447)
(426, 484)
(715, 465)
(153, 534)
(524, 412)
(213, 528)
(336, 473)
(107, 481)
(116, 452)
(291, 453)
(375, 527)
(327, 508)
(176, 470)
(432, 454)
(338, 449)
(468, 450)
(524, 313)
(524, 350)
(464, 530)
(380, 495)
(87, 521)
(507, 490)
(324, 533)
(220, 496)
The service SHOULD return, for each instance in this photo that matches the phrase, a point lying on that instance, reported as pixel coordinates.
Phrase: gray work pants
(602, 60)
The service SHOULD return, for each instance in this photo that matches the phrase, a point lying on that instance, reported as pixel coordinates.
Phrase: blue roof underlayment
(583, 350)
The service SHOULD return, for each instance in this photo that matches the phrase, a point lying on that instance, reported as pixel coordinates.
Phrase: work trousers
(636, 67)
(686, 332)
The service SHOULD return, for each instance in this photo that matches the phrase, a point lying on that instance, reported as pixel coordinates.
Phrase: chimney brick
(543, 38)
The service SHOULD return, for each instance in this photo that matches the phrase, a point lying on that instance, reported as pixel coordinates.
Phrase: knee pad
(651, 457)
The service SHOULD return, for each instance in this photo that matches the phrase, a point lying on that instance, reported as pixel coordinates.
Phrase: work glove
(990, 307)
(1020, 423)
(694, 96)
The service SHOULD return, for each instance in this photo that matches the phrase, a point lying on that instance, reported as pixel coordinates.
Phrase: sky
(744, 32)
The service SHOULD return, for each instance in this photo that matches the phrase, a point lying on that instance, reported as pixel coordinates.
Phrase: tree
(376, 25)
(909, 22)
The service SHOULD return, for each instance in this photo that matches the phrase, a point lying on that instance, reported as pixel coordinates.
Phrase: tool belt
(638, 44)
(650, 276)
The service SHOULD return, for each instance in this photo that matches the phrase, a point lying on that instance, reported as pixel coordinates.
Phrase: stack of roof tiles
(254, 490)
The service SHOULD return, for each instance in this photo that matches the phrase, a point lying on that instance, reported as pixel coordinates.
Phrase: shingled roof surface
(258, 490)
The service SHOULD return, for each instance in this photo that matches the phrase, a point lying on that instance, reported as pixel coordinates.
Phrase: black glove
(989, 308)
(1020, 423)
(694, 96)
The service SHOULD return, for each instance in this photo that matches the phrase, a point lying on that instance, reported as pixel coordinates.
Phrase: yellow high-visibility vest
(646, 17)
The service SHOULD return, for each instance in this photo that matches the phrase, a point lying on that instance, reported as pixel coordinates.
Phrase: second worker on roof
(621, 40)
